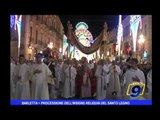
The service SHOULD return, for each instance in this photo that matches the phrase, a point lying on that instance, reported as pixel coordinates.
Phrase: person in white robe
(58, 72)
(86, 85)
(100, 74)
(133, 75)
(91, 64)
(41, 76)
(64, 67)
(12, 83)
(58, 75)
(106, 67)
(52, 86)
(21, 78)
(114, 81)
(69, 80)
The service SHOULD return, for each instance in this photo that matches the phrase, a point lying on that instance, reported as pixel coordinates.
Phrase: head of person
(38, 57)
(106, 61)
(71, 62)
(134, 63)
(113, 62)
(67, 61)
(102, 62)
(21, 59)
(60, 61)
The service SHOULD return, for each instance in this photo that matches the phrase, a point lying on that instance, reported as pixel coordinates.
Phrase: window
(41, 38)
(30, 33)
(52, 23)
(36, 35)
(145, 30)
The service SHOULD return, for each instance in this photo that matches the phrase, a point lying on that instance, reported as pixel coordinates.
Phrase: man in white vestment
(133, 75)
(114, 81)
(40, 77)
(100, 74)
(12, 83)
(64, 67)
(21, 78)
(69, 80)
(107, 79)
(58, 74)
(86, 86)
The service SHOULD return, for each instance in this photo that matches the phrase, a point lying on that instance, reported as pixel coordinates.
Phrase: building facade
(142, 48)
(39, 31)
(107, 49)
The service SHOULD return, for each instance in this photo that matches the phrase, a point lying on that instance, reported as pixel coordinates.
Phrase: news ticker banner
(81, 102)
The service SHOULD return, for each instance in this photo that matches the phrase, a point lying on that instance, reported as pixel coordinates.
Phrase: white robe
(58, 74)
(106, 67)
(101, 82)
(39, 87)
(107, 80)
(86, 86)
(12, 83)
(64, 66)
(22, 91)
(114, 81)
(128, 80)
(69, 82)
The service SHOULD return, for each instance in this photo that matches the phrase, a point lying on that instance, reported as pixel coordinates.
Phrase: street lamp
(50, 45)
(141, 39)
(107, 53)
(141, 42)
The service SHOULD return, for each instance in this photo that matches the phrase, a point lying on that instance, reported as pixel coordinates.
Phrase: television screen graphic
(68, 60)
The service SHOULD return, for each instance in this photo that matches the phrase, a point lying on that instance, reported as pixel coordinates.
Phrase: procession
(72, 79)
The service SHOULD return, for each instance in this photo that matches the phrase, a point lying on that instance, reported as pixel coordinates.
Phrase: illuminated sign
(85, 38)
(135, 89)
(84, 35)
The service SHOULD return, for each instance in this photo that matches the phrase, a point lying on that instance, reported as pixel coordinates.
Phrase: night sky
(94, 22)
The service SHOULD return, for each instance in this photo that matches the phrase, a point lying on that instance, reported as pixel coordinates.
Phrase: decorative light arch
(84, 35)
(85, 38)
(120, 34)
(16, 22)
(81, 25)
(135, 20)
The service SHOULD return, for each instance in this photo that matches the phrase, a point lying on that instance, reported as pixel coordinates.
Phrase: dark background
(95, 22)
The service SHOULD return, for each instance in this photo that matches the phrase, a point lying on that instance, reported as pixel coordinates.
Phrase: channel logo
(135, 89)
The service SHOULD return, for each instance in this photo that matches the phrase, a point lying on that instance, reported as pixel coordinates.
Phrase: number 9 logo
(135, 91)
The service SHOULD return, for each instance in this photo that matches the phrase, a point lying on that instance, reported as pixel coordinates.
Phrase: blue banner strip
(81, 102)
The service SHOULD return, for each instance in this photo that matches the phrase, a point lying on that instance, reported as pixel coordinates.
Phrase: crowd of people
(73, 79)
